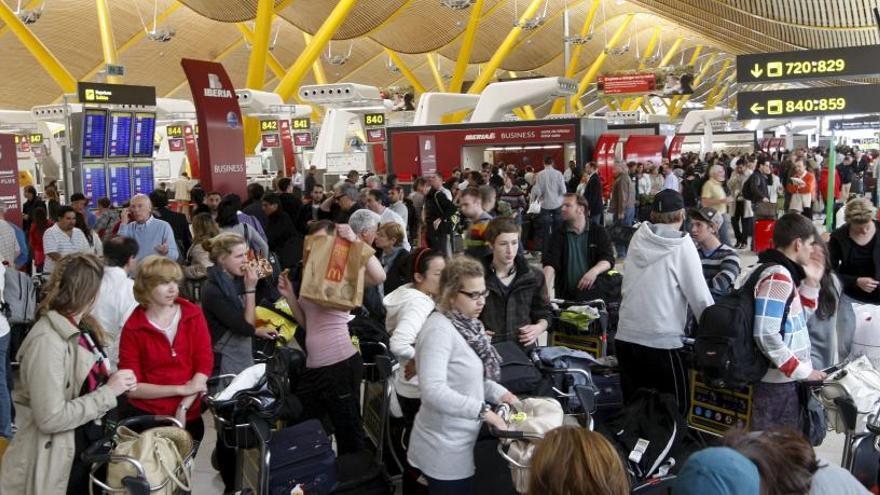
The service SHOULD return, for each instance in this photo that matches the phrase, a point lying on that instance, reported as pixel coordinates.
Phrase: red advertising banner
(271, 141)
(176, 144)
(221, 137)
(192, 151)
(9, 188)
(428, 155)
(604, 158)
(628, 83)
(287, 146)
(376, 135)
(303, 139)
(675, 147)
(644, 149)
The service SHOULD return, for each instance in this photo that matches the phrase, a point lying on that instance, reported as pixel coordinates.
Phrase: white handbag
(534, 208)
(534, 417)
(857, 381)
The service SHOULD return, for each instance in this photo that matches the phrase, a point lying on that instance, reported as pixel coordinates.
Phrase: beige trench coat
(53, 369)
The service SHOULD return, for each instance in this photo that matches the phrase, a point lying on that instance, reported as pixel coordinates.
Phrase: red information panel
(604, 158)
(428, 155)
(221, 139)
(287, 146)
(675, 147)
(176, 144)
(303, 139)
(644, 149)
(9, 190)
(271, 141)
(376, 135)
(629, 83)
(192, 150)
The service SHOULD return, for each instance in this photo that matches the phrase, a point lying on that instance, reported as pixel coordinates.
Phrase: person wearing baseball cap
(662, 277)
(721, 264)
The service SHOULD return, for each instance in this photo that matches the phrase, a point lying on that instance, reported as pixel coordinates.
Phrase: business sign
(374, 119)
(221, 143)
(376, 135)
(520, 135)
(271, 140)
(806, 102)
(664, 81)
(9, 186)
(115, 94)
(302, 124)
(268, 126)
(807, 64)
(303, 139)
(428, 155)
(868, 122)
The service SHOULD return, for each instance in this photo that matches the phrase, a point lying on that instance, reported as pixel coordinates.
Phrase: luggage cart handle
(92, 455)
(141, 423)
(598, 303)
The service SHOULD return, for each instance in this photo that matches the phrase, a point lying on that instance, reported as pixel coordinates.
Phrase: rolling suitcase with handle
(302, 455)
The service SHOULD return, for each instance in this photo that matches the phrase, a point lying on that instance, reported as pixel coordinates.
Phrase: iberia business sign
(221, 138)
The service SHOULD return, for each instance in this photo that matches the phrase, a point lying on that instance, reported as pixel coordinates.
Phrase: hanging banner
(663, 82)
(9, 187)
(192, 150)
(428, 155)
(221, 142)
(271, 141)
(176, 145)
(303, 139)
(675, 147)
(287, 147)
(376, 135)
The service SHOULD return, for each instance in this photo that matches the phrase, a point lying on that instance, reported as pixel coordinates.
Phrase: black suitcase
(359, 474)
(302, 455)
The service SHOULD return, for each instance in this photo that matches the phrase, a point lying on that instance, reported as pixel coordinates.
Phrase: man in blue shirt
(153, 236)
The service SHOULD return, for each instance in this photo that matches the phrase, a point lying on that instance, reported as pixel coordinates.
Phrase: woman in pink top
(331, 384)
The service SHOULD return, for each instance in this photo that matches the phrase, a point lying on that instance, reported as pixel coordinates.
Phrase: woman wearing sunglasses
(458, 369)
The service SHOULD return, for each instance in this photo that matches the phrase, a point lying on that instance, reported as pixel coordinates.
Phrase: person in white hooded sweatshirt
(661, 278)
(408, 307)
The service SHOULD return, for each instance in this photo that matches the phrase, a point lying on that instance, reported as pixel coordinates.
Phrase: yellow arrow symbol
(757, 71)
(755, 108)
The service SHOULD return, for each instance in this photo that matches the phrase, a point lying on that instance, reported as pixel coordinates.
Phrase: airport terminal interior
(544, 247)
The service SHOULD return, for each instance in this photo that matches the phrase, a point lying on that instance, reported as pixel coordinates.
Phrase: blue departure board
(142, 177)
(119, 135)
(120, 184)
(94, 134)
(94, 178)
(144, 132)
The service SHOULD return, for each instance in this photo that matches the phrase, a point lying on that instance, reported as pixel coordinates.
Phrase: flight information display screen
(94, 177)
(94, 134)
(119, 135)
(144, 134)
(142, 175)
(120, 183)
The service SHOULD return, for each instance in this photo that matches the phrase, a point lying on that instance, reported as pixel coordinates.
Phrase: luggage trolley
(581, 325)
(100, 454)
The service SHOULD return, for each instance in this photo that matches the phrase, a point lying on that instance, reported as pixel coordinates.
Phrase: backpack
(518, 373)
(752, 189)
(725, 351)
(19, 298)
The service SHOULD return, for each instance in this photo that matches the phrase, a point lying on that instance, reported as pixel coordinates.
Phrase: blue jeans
(724, 233)
(551, 221)
(627, 221)
(5, 398)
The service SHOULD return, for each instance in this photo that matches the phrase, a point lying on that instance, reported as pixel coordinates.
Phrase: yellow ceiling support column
(663, 63)
(404, 70)
(438, 79)
(593, 71)
(108, 43)
(652, 44)
(59, 74)
(290, 83)
(712, 99)
(679, 103)
(488, 71)
(256, 75)
(467, 45)
(571, 70)
(317, 67)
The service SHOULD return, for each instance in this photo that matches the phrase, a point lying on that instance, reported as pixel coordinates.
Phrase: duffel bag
(858, 382)
(518, 373)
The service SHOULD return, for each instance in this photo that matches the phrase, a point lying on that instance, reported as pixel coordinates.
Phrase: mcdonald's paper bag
(333, 272)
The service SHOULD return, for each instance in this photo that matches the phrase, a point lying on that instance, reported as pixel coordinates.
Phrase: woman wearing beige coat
(61, 359)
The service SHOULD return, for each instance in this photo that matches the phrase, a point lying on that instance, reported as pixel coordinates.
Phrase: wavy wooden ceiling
(414, 28)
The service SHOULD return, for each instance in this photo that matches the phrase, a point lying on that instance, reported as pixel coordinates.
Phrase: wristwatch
(483, 410)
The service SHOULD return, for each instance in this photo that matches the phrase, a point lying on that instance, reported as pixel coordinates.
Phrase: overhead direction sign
(835, 100)
(867, 122)
(808, 64)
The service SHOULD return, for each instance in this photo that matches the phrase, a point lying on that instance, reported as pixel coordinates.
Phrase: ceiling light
(338, 59)
(161, 35)
(457, 4)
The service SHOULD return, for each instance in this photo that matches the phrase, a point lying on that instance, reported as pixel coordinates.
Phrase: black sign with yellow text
(806, 102)
(302, 124)
(269, 126)
(174, 131)
(35, 139)
(115, 94)
(374, 119)
(807, 64)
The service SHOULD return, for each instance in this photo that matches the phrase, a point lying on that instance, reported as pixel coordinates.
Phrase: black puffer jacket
(522, 303)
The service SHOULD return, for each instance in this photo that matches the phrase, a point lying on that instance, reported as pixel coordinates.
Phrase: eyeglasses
(475, 296)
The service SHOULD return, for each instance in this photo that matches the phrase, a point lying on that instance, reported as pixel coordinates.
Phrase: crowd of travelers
(141, 305)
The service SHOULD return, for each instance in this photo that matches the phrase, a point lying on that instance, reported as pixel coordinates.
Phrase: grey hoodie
(662, 275)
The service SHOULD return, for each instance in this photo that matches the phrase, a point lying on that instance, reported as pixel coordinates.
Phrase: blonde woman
(166, 343)
(458, 369)
(64, 386)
